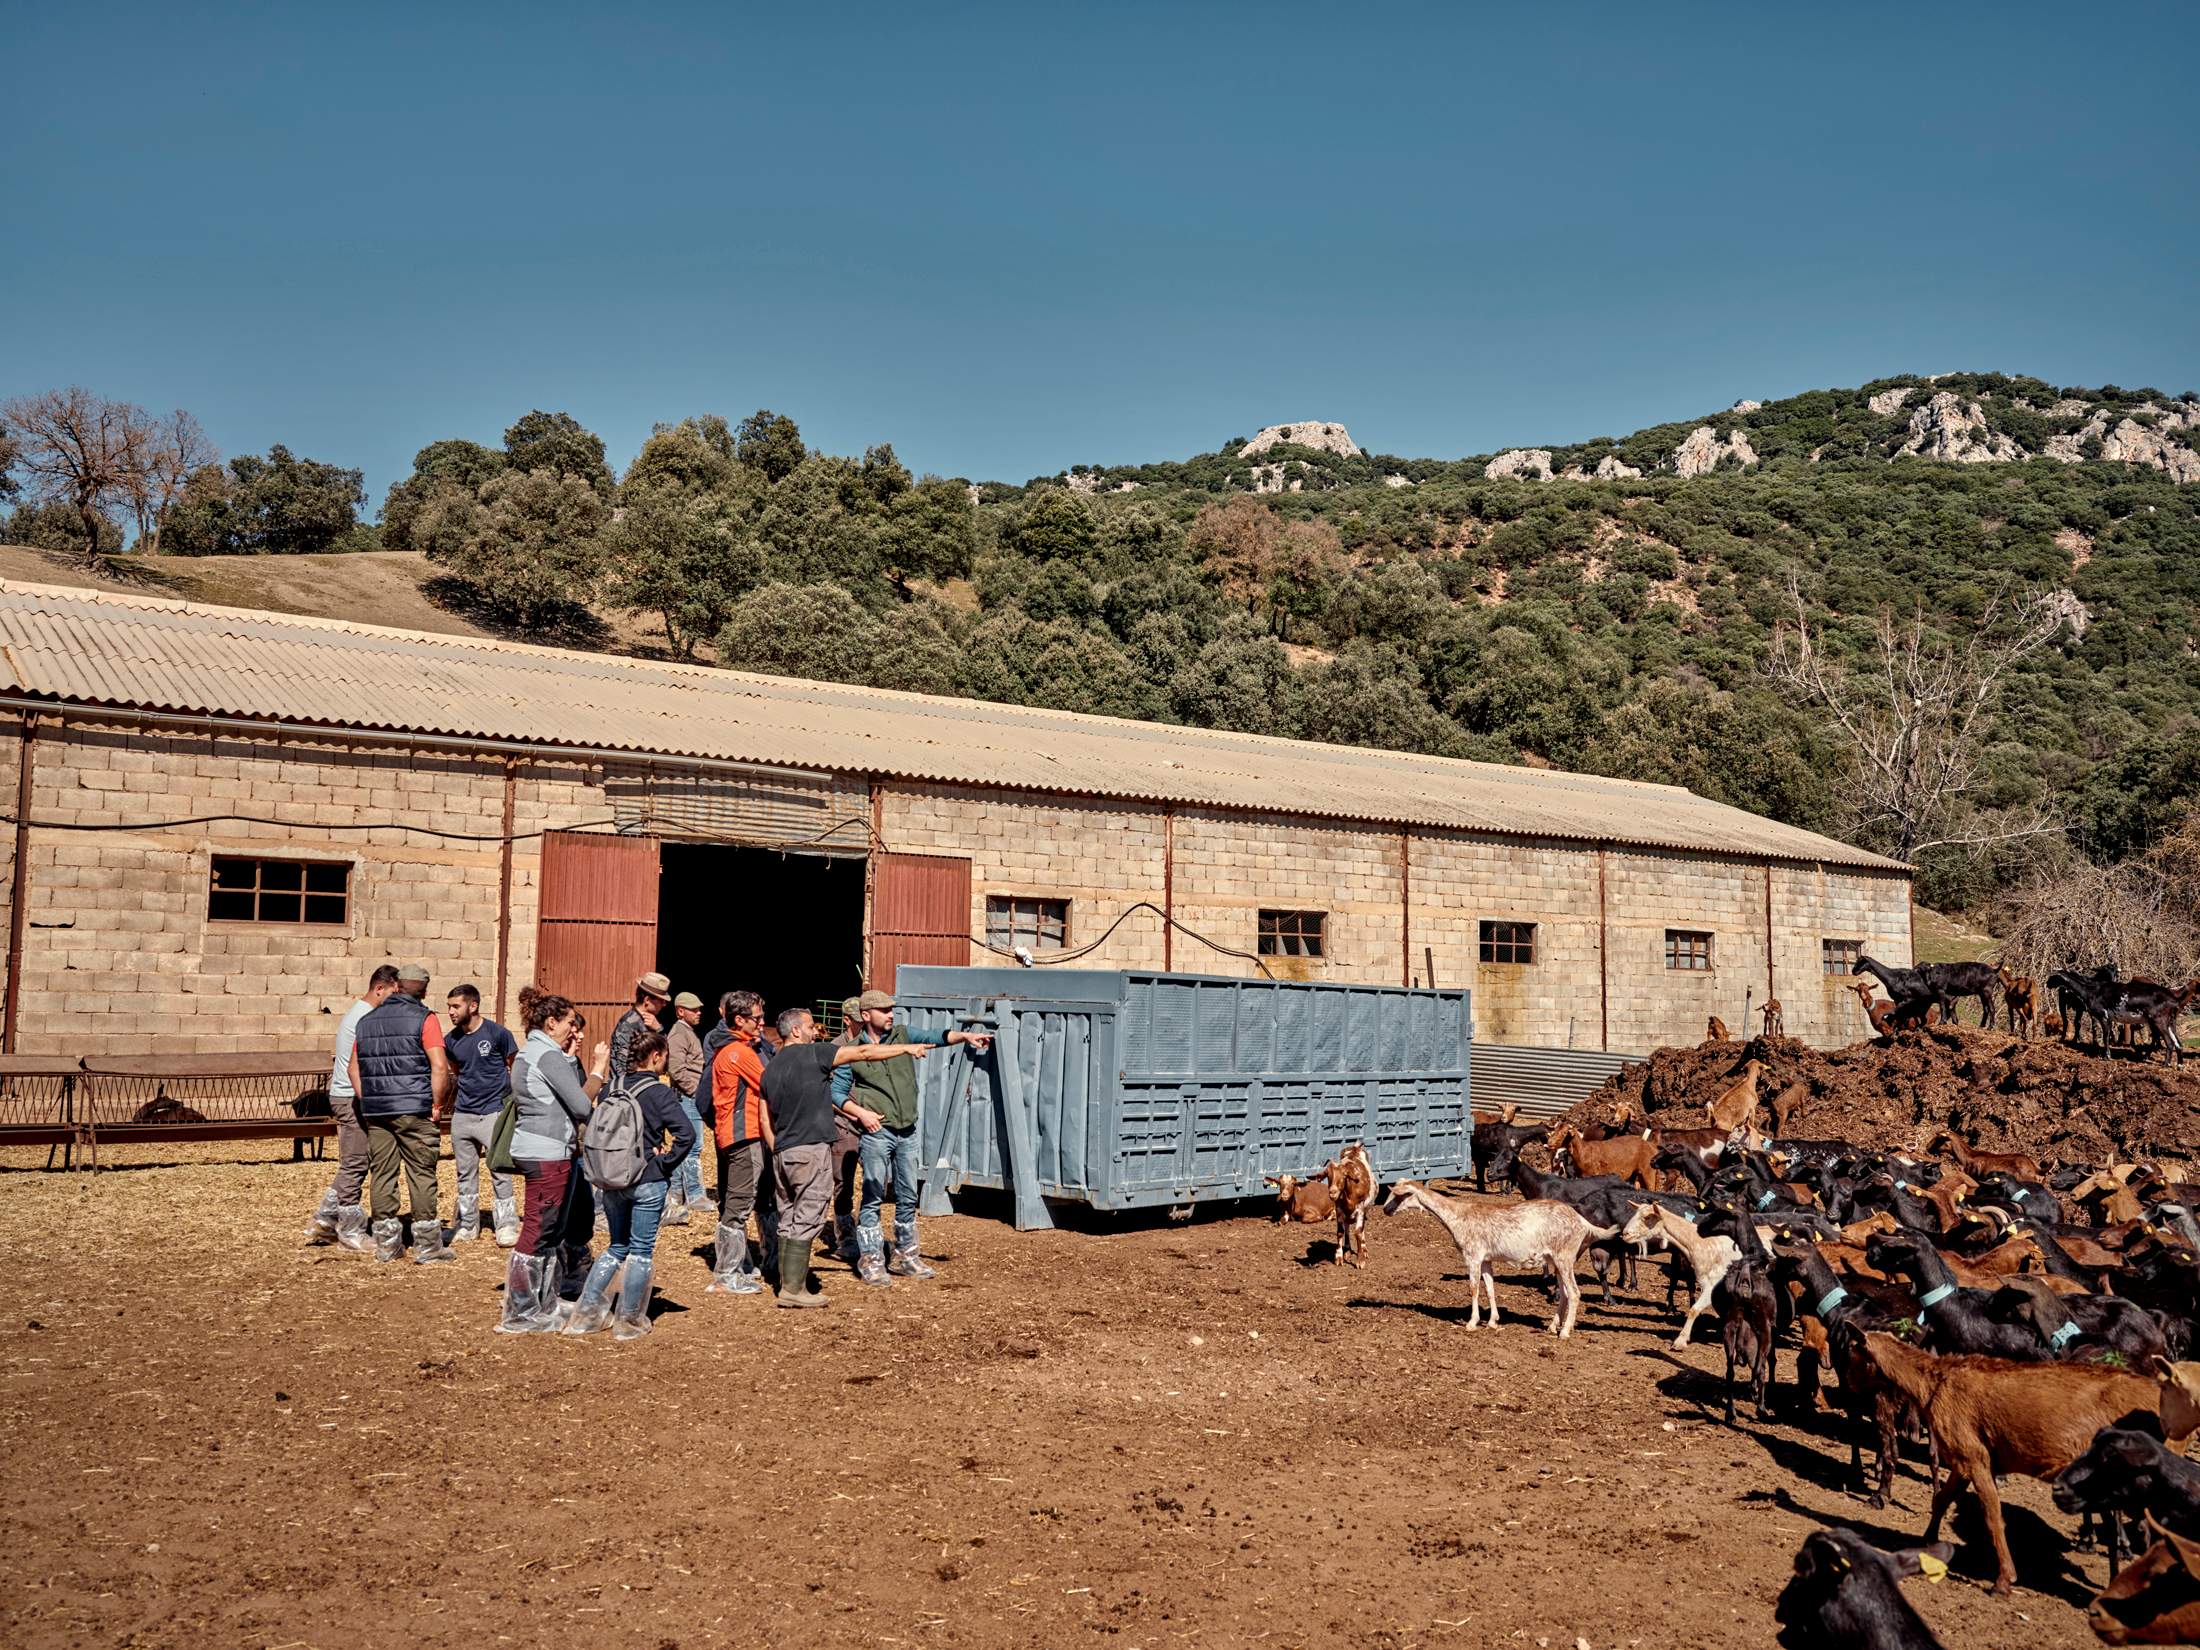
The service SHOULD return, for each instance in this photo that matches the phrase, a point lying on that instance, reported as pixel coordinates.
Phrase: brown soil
(1998, 1093)
(1133, 1435)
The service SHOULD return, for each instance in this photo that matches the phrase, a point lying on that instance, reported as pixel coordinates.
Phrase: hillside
(1609, 605)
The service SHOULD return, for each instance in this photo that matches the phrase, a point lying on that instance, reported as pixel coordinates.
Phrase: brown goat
(1626, 1155)
(1737, 1103)
(2020, 992)
(1351, 1182)
(2156, 1600)
(2023, 1165)
(1775, 1020)
(1990, 1417)
(1786, 1103)
(1303, 1202)
(1715, 1031)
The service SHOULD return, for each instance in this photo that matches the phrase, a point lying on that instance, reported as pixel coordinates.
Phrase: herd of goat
(2021, 1318)
(2112, 1010)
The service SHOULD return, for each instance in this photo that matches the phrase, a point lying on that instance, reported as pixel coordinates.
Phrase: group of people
(803, 1130)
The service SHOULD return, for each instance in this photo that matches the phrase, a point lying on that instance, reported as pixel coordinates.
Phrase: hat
(655, 984)
(876, 999)
(850, 1007)
(687, 999)
(413, 974)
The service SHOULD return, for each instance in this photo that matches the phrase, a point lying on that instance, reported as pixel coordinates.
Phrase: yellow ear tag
(1931, 1568)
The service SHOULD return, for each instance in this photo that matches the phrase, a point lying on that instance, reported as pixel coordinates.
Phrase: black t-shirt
(798, 1087)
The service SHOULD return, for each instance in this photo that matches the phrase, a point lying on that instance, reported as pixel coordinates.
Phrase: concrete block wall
(1103, 857)
(120, 953)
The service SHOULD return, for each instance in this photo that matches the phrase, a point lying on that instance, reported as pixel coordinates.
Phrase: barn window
(1292, 933)
(1688, 949)
(279, 891)
(1840, 955)
(1508, 942)
(1035, 924)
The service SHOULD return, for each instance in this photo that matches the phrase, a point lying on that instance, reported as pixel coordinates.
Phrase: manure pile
(2000, 1094)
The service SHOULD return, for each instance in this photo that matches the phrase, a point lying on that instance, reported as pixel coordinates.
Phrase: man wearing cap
(881, 1099)
(847, 1141)
(684, 1068)
(403, 1081)
(652, 996)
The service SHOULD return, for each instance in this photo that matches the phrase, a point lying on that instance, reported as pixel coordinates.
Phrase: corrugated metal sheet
(819, 812)
(125, 650)
(1542, 1082)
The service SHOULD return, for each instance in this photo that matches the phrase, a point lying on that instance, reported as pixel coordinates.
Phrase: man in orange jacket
(743, 1130)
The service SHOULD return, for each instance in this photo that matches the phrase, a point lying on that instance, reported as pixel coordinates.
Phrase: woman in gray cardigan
(552, 1099)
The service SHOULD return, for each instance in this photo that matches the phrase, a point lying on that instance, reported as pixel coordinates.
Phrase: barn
(223, 820)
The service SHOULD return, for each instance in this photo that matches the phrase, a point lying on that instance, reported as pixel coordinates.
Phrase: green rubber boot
(794, 1274)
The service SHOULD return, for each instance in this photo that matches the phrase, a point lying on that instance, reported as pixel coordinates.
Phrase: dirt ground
(1131, 1434)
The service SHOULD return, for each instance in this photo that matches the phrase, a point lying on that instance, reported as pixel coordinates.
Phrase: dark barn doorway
(788, 925)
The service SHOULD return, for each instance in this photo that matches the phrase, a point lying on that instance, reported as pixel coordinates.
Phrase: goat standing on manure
(1537, 1233)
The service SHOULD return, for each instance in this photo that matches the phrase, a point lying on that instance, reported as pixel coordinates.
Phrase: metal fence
(1542, 1082)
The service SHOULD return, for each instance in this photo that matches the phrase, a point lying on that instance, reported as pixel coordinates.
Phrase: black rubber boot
(794, 1274)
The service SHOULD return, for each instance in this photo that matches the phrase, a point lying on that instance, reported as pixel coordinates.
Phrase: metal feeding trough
(1129, 1090)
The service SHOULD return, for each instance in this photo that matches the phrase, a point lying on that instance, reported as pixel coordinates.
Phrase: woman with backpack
(549, 1099)
(631, 1167)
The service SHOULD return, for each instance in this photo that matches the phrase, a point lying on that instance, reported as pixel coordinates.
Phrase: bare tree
(1916, 715)
(175, 447)
(79, 450)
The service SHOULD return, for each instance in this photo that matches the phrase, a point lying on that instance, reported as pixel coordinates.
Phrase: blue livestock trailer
(1126, 1090)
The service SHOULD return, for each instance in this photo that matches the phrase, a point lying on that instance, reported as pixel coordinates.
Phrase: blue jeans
(687, 1179)
(634, 1215)
(889, 1159)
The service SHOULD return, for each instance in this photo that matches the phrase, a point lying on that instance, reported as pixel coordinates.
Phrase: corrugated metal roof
(97, 648)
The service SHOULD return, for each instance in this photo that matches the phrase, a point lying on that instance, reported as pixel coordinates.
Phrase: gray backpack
(615, 1147)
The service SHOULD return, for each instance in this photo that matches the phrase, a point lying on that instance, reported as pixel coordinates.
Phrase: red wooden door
(920, 913)
(597, 931)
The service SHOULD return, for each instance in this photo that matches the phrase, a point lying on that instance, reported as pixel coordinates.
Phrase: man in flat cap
(403, 1082)
(684, 1065)
(652, 996)
(881, 1099)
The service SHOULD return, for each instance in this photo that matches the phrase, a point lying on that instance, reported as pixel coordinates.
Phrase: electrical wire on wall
(1051, 959)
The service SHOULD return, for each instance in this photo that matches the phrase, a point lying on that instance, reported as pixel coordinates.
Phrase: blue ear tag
(1769, 1197)
(1933, 1297)
(1831, 1299)
(2064, 1336)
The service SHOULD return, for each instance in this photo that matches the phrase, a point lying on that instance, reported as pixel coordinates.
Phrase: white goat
(1540, 1232)
(1708, 1257)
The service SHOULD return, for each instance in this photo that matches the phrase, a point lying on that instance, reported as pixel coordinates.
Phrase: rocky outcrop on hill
(1323, 438)
(1268, 478)
(1091, 482)
(2159, 448)
(1889, 402)
(1521, 464)
(1704, 451)
(1745, 406)
(1954, 431)
(1609, 468)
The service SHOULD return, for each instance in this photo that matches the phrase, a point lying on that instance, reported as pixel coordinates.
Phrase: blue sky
(1008, 239)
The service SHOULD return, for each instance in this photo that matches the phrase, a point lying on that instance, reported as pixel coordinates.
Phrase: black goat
(2080, 1326)
(1954, 1319)
(1846, 1595)
(1496, 1145)
(1748, 1316)
(2129, 1472)
(1865, 1393)
(1907, 988)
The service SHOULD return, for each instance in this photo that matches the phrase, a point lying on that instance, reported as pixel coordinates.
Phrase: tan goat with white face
(1539, 1232)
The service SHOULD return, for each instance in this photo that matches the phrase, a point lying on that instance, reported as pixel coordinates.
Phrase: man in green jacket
(881, 1098)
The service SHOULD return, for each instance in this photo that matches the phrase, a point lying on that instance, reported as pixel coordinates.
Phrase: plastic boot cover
(554, 1281)
(428, 1244)
(389, 1239)
(676, 1212)
(731, 1274)
(871, 1269)
(469, 1221)
(322, 1227)
(351, 1227)
(634, 1301)
(907, 1263)
(593, 1310)
(530, 1296)
(507, 1222)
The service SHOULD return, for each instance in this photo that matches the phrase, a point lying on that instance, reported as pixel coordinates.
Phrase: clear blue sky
(1010, 239)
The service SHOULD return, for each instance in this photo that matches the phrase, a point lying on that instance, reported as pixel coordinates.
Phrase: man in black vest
(403, 1080)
